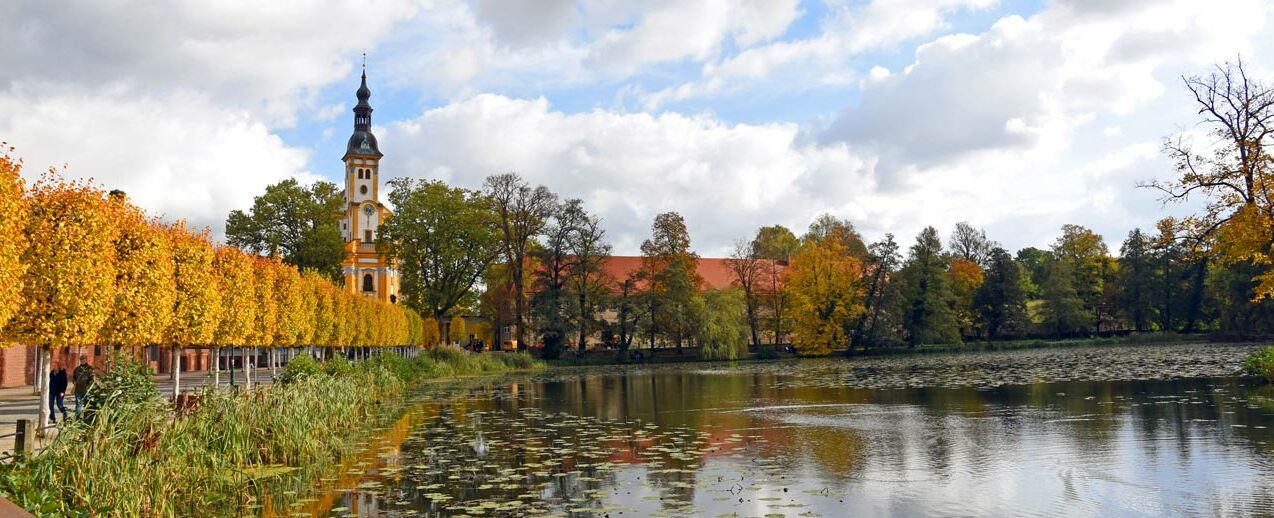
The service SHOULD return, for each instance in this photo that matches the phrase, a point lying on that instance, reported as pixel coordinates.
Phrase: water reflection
(696, 441)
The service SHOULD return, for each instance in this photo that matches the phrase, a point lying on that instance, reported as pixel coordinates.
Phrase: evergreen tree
(1064, 310)
(1137, 281)
(927, 317)
(1001, 300)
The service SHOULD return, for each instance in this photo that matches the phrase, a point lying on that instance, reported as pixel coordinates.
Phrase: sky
(1016, 116)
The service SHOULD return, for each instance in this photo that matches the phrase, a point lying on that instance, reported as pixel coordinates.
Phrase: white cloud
(726, 179)
(177, 155)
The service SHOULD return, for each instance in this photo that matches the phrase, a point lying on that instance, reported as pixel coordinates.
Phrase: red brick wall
(17, 363)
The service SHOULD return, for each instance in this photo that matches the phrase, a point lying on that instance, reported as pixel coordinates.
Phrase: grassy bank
(133, 455)
(690, 354)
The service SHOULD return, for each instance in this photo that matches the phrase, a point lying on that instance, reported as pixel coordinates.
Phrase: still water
(711, 440)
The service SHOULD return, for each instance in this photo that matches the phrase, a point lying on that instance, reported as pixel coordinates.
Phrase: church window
(367, 282)
(362, 189)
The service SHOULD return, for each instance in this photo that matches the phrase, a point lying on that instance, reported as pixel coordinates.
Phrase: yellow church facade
(366, 271)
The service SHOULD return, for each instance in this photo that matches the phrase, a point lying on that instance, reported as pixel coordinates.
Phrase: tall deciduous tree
(521, 214)
(970, 243)
(550, 303)
(13, 215)
(69, 288)
(882, 261)
(775, 243)
(723, 334)
(1000, 302)
(749, 273)
(1084, 255)
(927, 316)
(1064, 309)
(670, 269)
(588, 245)
(296, 223)
(443, 240)
(827, 226)
(236, 281)
(145, 288)
(823, 284)
(197, 307)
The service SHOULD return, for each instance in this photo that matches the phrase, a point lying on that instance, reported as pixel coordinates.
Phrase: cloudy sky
(1018, 116)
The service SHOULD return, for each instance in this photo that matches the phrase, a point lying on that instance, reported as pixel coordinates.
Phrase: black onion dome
(363, 142)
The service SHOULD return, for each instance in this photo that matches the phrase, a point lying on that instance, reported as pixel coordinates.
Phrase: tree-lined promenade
(86, 267)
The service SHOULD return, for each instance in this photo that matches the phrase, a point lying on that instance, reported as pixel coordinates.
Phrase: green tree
(1064, 309)
(587, 277)
(775, 243)
(1138, 280)
(296, 223)
(550, 302)
(1035, 261)
(521, 213)
(749, 273)
(1085, 257)
(443, 240)
(927, 317)
(882, 261)
(829, 226)
(970, 243)
(670, 269)
(1000, 301)
(723, 334)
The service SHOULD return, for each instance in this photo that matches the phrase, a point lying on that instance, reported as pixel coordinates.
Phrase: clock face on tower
(368, 210)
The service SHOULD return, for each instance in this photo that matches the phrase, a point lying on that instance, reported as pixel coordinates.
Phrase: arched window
(367, 282)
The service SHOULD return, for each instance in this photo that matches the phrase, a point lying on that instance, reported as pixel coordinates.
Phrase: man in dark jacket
(57, 393)
(83, 378)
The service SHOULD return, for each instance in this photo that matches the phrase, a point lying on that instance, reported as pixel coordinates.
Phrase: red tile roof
(716, 272)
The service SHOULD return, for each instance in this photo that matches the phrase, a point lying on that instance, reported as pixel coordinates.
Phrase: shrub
(338, 366)
(299, 368)
(1261, 363)
(129, 382)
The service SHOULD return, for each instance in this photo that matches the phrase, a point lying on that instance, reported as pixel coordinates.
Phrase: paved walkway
(22, 403)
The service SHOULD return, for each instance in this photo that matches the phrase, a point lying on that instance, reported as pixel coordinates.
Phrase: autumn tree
(823, 284)
(521, 213)
(69, 286)
(964, 276)
(197, 307)
(827, 226)
(145, 287)
(970, 243)
(13, 215)
(296, 223)
(443, 240)
(775, 244)
(237, 284)
(1083, 254)
(265, 272)
(926, 297)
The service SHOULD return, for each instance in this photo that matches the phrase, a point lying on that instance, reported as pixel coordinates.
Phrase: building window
(367, 236)
(367, 282)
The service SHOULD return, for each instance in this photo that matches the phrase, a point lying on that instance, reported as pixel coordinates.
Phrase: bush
(338, 366)
(129, 382)
(1261, 363)
(299, 368)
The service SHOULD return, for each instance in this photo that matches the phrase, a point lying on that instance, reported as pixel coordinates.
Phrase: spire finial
(364, 64)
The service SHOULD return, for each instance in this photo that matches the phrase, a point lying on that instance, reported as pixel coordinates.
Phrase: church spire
(362, 142)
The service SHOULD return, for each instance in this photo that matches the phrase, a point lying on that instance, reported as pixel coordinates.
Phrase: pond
(821, 438)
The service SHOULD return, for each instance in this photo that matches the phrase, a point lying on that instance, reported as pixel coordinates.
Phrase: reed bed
(134, 455)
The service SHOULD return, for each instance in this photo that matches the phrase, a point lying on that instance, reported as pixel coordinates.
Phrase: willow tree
(237, 284)
(197, 307)
(13, 215)
(69, 288)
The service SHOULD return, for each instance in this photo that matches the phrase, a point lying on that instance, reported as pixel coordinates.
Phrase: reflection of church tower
(365, 270)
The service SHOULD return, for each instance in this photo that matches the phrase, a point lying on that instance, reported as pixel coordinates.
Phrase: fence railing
(24, 439)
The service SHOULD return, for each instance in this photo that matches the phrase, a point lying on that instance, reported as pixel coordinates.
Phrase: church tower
(366, 271)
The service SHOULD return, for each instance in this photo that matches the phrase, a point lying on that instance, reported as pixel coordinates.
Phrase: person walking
(57, 394)
(83, 377)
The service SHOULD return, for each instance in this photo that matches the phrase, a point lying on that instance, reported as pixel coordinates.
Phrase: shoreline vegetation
(762, 353)
(135, 454)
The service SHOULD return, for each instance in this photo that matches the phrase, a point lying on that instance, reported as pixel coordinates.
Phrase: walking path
(22, 403)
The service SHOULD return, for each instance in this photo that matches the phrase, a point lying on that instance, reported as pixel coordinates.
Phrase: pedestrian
(83, 377)
(57, 394)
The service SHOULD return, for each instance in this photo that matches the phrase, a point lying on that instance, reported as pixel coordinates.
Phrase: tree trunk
(274, 363)
(176, 364)
(216, 367)
(39, 366)
(247, 367)
(44, 358)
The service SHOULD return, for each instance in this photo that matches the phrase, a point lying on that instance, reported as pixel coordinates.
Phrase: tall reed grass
(135, 456)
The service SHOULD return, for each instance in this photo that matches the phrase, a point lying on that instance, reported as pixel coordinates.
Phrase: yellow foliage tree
(13, 215)
(145, 287)
(236, 280)
(964, 277)
(823, 287)
(69, 287)
(197, 310)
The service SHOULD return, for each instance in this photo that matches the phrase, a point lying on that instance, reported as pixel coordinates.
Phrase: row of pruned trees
(85, 267)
